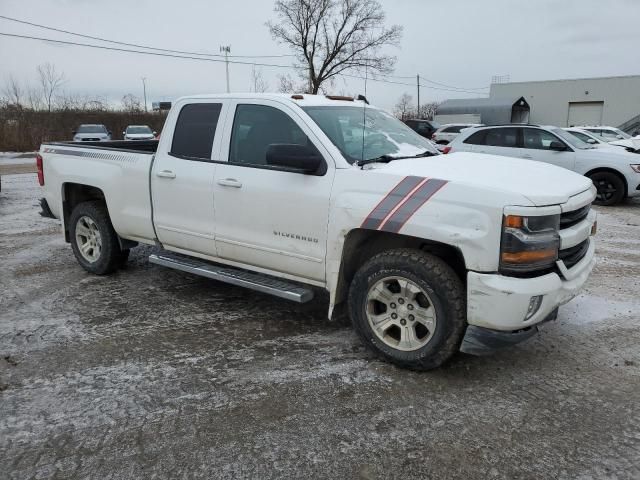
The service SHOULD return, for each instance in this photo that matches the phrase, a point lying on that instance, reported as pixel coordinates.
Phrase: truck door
(182, 178)
(267, 216)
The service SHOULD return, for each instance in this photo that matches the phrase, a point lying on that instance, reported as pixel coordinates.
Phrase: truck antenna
(364, 111)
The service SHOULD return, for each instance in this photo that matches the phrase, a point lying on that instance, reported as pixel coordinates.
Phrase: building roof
(462, 105)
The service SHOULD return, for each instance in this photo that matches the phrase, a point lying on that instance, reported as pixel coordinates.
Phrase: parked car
(449, 131)
(597, 142)
(427, 256)
(423, 127)
(138, 132)
(616, 174)
(615, 136)
(91, 133)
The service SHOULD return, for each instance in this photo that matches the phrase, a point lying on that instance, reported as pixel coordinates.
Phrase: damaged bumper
(484, 341)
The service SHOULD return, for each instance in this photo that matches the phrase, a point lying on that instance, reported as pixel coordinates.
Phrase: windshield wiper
(389, 158)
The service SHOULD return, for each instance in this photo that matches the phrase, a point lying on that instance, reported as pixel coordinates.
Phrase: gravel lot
(152, 373)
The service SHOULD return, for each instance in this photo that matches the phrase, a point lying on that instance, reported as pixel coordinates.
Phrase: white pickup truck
(427, 254)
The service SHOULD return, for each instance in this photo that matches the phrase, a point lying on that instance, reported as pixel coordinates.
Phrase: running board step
(234, 276)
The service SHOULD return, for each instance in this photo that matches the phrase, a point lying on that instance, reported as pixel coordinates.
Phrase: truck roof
(303, 99)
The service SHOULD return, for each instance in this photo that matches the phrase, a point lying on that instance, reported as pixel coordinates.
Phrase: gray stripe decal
(406, 211)
(393, 198)
(97, 155)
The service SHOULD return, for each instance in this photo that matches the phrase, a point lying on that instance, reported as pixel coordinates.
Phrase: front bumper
(497, 302)
(484, 341)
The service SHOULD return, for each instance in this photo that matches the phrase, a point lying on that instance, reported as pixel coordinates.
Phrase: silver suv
(91, 132)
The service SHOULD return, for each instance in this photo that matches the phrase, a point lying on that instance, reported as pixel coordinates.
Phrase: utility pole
(418, 87)
(226, 50)
(144, 90)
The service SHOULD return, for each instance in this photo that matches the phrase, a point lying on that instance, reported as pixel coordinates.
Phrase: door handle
(229, 182)
(527, 156)
(166, 174)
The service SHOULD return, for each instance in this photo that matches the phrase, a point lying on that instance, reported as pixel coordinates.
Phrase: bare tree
(331, 37)
(34, 99)
(13, 92)
(286, 84)
(50, 82)
(404, 106)
(258, 82)
(131, 103)
(428, 110)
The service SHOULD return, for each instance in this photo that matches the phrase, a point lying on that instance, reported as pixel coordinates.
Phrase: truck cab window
(255, 127)
(195, 130)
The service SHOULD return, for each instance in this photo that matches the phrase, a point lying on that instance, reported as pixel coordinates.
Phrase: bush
(23, 130)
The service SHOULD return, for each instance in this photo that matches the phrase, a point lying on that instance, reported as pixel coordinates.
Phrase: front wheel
(93, 239)
(409, 307)
(609, 187)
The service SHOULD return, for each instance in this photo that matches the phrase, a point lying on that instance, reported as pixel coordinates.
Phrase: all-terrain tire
(610, 188)
(445, 291)
(111, 256)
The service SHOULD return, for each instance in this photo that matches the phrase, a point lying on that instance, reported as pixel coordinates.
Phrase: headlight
(635, 168)
(529, 243)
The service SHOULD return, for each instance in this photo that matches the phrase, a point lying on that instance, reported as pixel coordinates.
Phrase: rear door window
(495, 137)
(195, 130)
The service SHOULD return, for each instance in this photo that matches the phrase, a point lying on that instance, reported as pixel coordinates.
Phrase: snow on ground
(16, 158)
(155, 373)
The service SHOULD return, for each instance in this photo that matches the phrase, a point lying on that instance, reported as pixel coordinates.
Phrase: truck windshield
(140, 129)
(92, 129)
(365, 133)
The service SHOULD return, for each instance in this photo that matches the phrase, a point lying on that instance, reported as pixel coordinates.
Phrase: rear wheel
(408, 307)
(93, 239)
(609, 186)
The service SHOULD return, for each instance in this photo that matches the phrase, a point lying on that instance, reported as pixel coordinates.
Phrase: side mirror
(155, 133)
(73, 132)
(592, 141)
(298, 157)
(110, 132)
(557, 146)
(619, 137)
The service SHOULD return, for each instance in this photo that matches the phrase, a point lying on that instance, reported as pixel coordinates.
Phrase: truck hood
(539, 183)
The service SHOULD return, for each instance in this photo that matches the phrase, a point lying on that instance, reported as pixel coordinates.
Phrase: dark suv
(423, 127)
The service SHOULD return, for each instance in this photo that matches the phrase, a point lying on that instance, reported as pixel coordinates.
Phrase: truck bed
(135, 146)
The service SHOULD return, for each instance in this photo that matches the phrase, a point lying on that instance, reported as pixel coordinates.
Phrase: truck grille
(90, 139)
(572, 255)
(569, 219)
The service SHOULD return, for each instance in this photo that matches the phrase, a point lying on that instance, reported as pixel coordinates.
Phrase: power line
(133, 44)
(215, 60)
(184, 52)
(157, 54)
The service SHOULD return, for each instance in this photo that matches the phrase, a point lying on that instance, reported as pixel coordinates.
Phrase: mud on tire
(104, 254)
(441, 293)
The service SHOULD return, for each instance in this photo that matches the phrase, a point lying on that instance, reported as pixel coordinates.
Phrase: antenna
(364, 111)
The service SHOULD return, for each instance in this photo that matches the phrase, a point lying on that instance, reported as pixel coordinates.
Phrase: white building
(613, 101)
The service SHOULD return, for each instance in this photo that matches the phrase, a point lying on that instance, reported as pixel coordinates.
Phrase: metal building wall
(549, 100)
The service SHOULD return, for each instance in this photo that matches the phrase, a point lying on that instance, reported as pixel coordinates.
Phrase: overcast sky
(461, 43)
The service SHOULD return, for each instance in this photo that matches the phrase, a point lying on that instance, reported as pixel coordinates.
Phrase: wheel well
(610, 170)
(362, 244)
(72, 195)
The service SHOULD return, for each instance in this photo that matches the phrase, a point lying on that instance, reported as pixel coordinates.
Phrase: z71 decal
(401, 203)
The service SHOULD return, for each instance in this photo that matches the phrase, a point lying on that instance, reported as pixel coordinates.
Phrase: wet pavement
(154, 373)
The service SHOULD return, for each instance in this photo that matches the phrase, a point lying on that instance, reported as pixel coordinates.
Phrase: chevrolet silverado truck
(427, 254)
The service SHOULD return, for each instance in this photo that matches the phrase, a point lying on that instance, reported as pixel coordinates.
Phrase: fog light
(534, 306)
